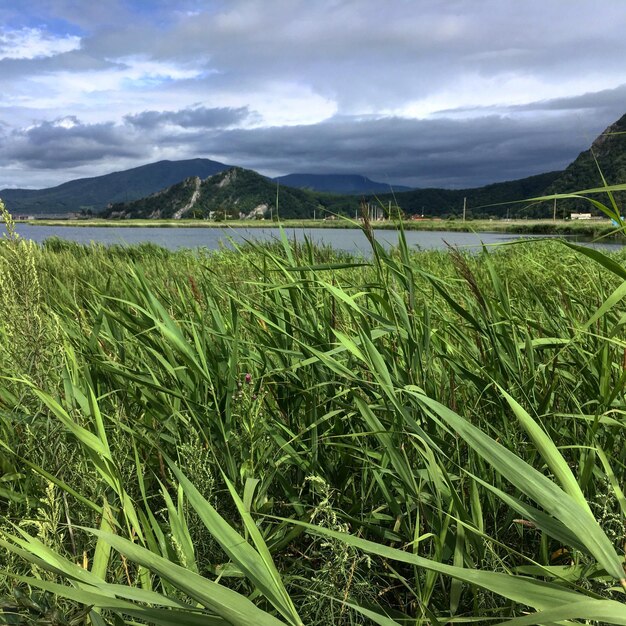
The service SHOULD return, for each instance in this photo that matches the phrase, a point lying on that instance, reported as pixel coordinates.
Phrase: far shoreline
(584, 228)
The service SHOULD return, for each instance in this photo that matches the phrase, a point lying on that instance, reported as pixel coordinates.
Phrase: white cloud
(282, 103)
(127, 85)
(34, 43)
(67, 122)
(142, 70)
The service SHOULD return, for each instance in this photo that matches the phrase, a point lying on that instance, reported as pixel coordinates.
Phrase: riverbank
(591, 228)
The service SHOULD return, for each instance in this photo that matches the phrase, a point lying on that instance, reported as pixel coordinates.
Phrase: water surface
(346, 239)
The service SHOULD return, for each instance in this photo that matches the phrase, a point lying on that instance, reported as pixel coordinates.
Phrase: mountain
(96, 193)
(586, 172)
(338, 183)
(180, 188)
(449, 202)
(244, 193)
(236, 192)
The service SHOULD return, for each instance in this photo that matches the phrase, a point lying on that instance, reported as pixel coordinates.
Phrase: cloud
(34, 43)
(422, 92)
(612, 101)
(197, 117)
(141, 69)
(424, 153)
(442, 151)
(377, 57)
(66, 143)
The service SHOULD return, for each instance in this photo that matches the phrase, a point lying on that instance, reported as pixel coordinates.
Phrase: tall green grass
(276, 434)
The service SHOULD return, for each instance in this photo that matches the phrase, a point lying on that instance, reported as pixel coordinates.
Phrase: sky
(454, 93)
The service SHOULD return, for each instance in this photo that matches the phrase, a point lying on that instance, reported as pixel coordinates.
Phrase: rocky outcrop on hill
(236, 193)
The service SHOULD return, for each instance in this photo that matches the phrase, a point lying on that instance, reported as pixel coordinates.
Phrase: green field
(281, 434)
(591, 228)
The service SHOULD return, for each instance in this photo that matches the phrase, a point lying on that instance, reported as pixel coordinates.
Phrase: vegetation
(588, 229)
(603, 164)
(156, 191)
(231, 194)
(495, 200)
(94, 194)
(237, 192)
(209, 188)
(174, 200)
(283, 435)
(160, 189)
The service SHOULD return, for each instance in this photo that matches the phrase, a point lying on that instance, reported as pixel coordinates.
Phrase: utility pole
(554, 211)
(464, 207)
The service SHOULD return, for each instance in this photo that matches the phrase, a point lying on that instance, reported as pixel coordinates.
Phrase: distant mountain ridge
(245, 194)
(338, 183)
(96, 193)
(147, 190)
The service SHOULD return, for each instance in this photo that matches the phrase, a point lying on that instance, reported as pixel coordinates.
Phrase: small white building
(580, 216)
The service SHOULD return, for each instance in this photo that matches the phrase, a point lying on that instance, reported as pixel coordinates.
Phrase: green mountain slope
(244, 193)
(236, 192)
(166, 203)
(449, 202)
(96, 193)
(585, 172)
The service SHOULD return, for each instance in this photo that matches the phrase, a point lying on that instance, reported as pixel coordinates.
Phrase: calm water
(350, 240)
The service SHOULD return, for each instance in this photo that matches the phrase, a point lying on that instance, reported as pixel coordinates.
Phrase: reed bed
(278, 434)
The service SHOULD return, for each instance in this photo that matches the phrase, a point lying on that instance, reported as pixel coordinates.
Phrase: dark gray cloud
(438, 152)
(198, 117)
(441, 151)
(66, 144)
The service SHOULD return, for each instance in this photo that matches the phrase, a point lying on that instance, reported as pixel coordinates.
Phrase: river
(346, 239)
